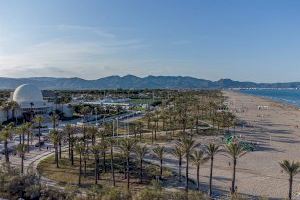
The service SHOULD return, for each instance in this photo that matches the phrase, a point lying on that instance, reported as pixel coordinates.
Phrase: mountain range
(134, 82)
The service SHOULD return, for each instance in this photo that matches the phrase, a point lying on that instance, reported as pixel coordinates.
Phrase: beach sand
(275, 129)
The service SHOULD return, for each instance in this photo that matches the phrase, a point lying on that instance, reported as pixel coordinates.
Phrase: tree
(96, 150)
(290, 168)
(159, 153)
(139, 129)
(235, 151)
(187, 145)
(111, 142)
(54, 119)
(212, 150)
(54, 137)
(21, 149)
(69, 131)
(14, 105)
(148, 116)
(141, 152)
(80, 148)
(29, 134)
(178, 153)
(39, 120)
(198, 158)
(5, 135)
(127, 145)
(104, 147)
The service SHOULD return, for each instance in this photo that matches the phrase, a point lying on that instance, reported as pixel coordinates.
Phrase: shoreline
(281, 102)
(276, 129)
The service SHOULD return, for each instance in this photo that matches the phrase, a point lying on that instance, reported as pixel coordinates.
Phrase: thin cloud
(66, 55)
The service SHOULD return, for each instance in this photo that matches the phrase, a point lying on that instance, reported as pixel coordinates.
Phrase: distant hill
(134, 82)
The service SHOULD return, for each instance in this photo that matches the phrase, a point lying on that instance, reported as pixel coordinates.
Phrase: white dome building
(30, 98)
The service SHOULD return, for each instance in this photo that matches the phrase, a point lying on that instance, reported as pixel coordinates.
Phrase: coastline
(277, 132)
(275, 101)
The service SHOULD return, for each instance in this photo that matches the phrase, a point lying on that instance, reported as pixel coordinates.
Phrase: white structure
(30, 98)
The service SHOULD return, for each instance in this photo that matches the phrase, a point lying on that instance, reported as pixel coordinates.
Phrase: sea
(288, 96)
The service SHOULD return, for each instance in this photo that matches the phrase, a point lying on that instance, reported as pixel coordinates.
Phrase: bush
(116, 194)
(149, 194)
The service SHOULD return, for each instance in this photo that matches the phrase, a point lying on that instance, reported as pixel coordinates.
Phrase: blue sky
(256, 40)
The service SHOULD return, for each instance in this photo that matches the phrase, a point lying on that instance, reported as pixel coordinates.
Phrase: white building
(30, 99)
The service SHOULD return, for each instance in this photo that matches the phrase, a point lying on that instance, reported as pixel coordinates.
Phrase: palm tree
(159, 153)
(212, 150)
(29, 135)
(156, 120)
(39, 120)
(14, 105)
(54, 119)
(140, 129)
(291, 168)
(79, 148)
(5, 135)
(141, 152)
(54, 136)
(95, 150)
(178, 153)
(235, 151)
(68, 129)
(111, 142)
(148, 116)
(104, 147)
(21, 149)
(187, 145)
(198, 158)
(127, 145)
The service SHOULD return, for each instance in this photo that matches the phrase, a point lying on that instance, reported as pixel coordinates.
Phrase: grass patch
(67, 174)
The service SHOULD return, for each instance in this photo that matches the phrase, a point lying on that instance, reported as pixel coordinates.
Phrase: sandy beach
(275, 128)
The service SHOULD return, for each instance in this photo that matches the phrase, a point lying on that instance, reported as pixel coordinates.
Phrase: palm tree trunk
(112, 166)
(141, 170)
(197, 124)
(187, 174)
(161, 169)
(125, 168)
(39, 136)
(179, 168)
(59, 144)
(69, 145)
(291, 186)
(104, 161)
(96, 170)
(28, 142)
(84, 160)
(128, 181)
(56, 156)
(79, 177)
(6, 152)
(198, 177)
(72, 154)
(152, 137)
(22, 164)
(98, 163)
(233, 177)
(211, 174)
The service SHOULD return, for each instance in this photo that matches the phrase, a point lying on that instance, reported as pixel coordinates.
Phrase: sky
(246, 40)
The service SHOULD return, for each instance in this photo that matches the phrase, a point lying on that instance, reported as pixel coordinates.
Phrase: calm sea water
(286, 96)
